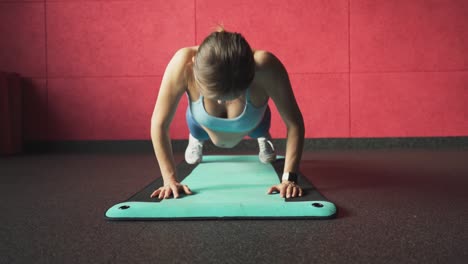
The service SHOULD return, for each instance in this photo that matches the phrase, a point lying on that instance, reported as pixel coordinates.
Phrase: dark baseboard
(145, 146)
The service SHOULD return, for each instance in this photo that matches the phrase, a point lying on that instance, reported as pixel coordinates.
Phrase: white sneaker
(194, 151)
(267, 152)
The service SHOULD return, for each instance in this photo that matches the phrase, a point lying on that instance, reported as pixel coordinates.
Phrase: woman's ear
(193, 58)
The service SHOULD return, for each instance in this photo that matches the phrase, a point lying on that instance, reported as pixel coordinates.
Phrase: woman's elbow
(297, 126)
(301, 129)
(158, 127)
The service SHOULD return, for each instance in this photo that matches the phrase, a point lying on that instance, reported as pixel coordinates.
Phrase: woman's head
(224, 65)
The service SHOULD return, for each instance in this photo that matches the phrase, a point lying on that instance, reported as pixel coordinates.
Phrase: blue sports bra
(246, 121)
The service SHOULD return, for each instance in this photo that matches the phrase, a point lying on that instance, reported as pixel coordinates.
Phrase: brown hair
(224, 64)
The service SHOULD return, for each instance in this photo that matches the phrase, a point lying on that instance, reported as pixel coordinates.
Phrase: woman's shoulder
(185, 54)
(190, 49)
(270, 71)
(265, 59)
(180, 64)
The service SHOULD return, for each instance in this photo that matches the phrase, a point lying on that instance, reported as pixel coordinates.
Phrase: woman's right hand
(169, 188)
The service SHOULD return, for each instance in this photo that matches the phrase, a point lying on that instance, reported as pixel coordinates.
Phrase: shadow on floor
(417, 175)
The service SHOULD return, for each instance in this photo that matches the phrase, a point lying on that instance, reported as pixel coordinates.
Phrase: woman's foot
(194, 151)
(267, 152)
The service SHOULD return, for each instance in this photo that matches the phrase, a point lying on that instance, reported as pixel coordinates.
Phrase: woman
(228, 86)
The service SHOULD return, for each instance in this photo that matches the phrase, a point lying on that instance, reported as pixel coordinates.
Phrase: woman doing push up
(228, 85)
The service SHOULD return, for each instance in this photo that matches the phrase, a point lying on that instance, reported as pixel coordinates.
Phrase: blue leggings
(199, 133)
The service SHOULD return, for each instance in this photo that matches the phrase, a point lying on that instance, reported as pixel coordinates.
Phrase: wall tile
(409, 35)
(101, 108)
(116, 38)
(307, 35)
(409, 104)
(22, 34)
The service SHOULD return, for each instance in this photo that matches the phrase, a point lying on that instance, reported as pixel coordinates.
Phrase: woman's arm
(274, 78)
(172, 88)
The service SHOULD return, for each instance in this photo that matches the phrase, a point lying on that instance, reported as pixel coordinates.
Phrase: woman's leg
(263, 129)
(194, 150)
(267, 152)
(195, 129)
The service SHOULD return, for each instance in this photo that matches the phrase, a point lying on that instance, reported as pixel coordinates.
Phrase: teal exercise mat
(226, 187)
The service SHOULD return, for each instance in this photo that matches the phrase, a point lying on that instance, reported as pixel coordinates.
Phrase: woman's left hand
(286, 188)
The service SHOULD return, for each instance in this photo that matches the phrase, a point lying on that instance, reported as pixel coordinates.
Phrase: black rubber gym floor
(394, 206)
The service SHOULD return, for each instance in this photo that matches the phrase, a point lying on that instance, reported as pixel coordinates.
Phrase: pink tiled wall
(359, 68)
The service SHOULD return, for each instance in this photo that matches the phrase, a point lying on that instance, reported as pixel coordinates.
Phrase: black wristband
(289, 176)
